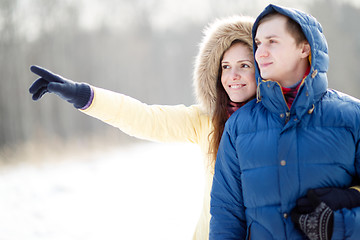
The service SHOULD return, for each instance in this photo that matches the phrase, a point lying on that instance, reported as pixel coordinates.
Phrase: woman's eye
(245, 65)
(225, 66)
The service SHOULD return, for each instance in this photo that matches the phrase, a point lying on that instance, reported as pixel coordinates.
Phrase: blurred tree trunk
(136, 61)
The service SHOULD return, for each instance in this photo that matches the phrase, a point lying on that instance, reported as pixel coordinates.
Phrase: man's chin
(265, 76)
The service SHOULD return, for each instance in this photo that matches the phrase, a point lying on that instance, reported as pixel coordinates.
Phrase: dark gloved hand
(76, 93)
(317, 224)
(335, 198)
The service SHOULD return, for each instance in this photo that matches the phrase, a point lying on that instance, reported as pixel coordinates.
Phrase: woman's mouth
(236, 86)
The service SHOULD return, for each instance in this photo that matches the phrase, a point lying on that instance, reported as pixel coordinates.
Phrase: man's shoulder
(342, 108)
(334, 98)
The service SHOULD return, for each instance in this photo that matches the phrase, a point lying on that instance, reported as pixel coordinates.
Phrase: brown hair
(291, 26)
(220, 115)
(211, 96)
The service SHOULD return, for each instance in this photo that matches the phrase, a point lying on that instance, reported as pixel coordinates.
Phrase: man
(286, 160)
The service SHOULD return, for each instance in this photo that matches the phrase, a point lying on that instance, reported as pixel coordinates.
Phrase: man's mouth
(264, 65)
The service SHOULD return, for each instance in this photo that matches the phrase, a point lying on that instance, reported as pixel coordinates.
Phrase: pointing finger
(46, 74)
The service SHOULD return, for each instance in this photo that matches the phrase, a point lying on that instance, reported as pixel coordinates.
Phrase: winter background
(121, 193)
(64, 175)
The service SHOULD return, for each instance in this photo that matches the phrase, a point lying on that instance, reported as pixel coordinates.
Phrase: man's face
(277, 54)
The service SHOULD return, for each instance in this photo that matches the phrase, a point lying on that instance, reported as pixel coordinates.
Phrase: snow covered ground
(141, 191)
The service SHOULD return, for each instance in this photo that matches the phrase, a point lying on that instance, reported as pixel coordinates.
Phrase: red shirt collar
(290, 93)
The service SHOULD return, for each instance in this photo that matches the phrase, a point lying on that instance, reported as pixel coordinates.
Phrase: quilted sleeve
(347, 221)
(160, 123)
(227, 209)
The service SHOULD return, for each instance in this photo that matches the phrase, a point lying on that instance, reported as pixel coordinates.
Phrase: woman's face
(238, 73)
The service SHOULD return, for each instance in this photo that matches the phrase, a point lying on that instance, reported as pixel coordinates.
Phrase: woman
(224, 80)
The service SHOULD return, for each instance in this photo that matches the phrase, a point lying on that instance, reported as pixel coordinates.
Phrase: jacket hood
(315, 84)
(218, 37)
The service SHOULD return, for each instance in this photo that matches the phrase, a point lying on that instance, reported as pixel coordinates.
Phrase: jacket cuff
(90, 99)
(83, 95)
(357, 188)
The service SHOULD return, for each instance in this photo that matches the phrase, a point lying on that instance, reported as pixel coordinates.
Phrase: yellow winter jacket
(180, 123)
(161, 124)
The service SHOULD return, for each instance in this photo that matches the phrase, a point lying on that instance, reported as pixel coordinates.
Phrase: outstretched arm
(161, 123)
(151, 122)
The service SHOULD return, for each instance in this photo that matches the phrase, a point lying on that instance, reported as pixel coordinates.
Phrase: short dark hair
(291, 26)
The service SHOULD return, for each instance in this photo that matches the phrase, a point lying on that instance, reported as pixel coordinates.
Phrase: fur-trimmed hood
(218, 37)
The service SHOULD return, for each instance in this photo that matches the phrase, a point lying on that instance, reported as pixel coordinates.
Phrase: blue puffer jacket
(271, 155)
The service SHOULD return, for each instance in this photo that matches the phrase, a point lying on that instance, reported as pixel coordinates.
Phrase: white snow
(142, 191)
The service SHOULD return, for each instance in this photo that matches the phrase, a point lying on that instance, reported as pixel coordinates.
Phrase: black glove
(76, 93)
(317, 224)
(335, 198)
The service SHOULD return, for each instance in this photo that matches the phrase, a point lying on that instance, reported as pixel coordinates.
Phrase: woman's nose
(235, 75)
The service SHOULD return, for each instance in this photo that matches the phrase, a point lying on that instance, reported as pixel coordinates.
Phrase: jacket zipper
(287, 118)
(287, 113)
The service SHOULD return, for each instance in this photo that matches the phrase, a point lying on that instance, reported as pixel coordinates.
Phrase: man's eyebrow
(268, 37)
(272, 36)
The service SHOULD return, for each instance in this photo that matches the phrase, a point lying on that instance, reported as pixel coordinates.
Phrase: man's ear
(305, 49)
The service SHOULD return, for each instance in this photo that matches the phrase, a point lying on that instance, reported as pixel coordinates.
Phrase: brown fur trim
(218, 37)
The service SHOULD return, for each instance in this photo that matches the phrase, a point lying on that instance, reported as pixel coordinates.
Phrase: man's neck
(302, 71)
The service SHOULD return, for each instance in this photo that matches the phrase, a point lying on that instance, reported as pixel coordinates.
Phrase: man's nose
(261, 51)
